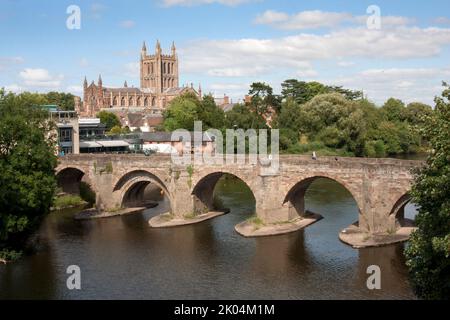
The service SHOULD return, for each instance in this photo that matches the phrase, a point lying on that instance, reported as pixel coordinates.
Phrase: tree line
(311, 116)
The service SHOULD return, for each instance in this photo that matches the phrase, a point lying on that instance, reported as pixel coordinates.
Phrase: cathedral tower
(159, 72)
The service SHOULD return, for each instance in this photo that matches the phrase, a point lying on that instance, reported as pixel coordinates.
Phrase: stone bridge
(379, 186)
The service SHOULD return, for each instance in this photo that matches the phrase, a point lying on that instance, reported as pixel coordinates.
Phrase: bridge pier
(378, 186)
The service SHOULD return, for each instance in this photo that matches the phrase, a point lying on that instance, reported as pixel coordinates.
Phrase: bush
(67, 201)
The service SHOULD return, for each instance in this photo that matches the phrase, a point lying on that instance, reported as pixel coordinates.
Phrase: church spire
(100, 82)
(158, 47)
(85, 84)
(144, 47)
(173, 48)
(125, 84)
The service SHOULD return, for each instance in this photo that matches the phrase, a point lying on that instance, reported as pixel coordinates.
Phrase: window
(65, 135)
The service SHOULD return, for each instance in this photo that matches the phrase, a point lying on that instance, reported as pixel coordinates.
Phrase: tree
(242, 117)
(263, 99)
(428, 253)
(65, 101)
(109, 119)
(182, 112)
(416, 111)
(27, 162)
(394, 110)
(210, 115)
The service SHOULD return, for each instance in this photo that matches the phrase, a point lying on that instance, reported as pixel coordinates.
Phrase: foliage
(65, 101)
(109, 119)
(27, 162)
(67, 201)
(428, 254)
(242, 117)
(187, 108)
(336, 120)
(302, 92)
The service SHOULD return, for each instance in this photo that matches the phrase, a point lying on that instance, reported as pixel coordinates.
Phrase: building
(159, 84)
(67, 130)
(165, 142)
(90, 127)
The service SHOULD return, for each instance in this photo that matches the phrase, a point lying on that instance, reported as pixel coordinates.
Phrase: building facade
(159, 84)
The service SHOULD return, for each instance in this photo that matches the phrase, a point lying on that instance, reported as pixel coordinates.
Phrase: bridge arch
(295, 197)
(203, 191)
(131, 186)
(69, 178)
(397, 214)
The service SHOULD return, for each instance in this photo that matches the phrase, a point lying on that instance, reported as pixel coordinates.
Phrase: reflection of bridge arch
(131, 186)
(295, 197)
(69, 178)
(203, 191)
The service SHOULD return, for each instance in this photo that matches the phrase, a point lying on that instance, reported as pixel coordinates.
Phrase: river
(123, 258)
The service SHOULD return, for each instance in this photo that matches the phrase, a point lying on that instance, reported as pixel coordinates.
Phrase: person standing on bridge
(314, 157)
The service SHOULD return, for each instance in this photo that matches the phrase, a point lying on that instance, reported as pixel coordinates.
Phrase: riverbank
(254, 227)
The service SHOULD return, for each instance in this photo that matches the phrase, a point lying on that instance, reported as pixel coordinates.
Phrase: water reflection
(123, 258)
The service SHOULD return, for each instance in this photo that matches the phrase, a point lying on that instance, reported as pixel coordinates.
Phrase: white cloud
(270, 17)
(408, 84)
(302, 20)
(253, 57)
(127, 24)
(76, 89)
(186, 3)
(13, 88)
(316, 19)
(442, 20)
(40, 78)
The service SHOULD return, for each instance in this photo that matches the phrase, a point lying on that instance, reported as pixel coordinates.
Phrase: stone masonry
(379, 186)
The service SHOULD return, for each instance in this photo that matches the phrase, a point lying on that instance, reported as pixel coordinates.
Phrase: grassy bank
(67, 201)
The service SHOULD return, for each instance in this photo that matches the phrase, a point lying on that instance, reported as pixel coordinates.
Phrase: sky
(225, 45)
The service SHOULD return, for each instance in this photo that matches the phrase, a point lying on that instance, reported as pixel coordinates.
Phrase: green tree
(65, 101)
(27, 162)
(182, 112)
(109, 119)
(416, 111)
(210, 114)
(394, 110)
(428, 253)
(263, 99)
(243, 117)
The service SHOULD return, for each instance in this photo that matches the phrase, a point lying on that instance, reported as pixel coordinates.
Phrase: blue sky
(227, 44)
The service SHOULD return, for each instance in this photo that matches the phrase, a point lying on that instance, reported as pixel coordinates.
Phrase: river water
(123, 258)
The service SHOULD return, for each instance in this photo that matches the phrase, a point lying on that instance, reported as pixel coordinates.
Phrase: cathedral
(159, 84)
